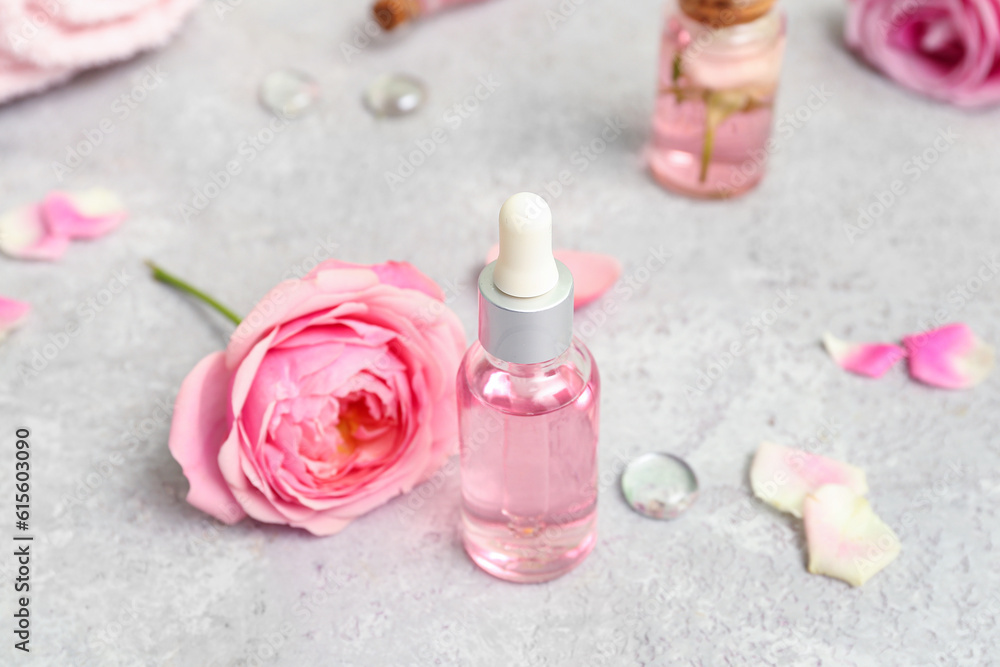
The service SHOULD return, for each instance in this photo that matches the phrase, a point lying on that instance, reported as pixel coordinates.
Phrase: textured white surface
(131, 575)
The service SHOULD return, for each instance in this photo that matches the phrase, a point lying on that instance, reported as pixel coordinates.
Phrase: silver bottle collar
(526, 330)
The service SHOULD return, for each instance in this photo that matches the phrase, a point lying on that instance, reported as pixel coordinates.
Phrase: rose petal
(318, 292)
(593, 273)
(400, 274)
(12, 313)
(846, 539)
(245, 490)
(870, 359)
(783, 477)
(24, 235)
(951, 357)
(197, 432)
(946, 49)
(323, 524)
(82, 215)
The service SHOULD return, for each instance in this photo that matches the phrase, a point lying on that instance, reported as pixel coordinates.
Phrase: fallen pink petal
(43, 231)
(593, 273)
(783, 477)
(951, 357)
(83, 215)
(846, 539)
(868, 359)
(12, 313)
(24, 235)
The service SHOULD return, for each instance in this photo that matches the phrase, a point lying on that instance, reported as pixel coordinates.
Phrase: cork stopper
(725, 13)
(391, 14)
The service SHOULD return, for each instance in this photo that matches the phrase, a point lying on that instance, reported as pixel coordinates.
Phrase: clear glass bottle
(720, 62)
(528, 398)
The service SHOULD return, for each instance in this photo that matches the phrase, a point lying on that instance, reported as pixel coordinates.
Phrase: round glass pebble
(394, 95)
(288, 93)
(659, 485)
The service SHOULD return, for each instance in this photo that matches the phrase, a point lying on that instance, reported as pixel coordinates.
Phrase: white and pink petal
(24, 235)
(783, 477)
(846, 539)
(952, 357)
(198, 429)
(869, 359)
(12, 314)
(82, 215)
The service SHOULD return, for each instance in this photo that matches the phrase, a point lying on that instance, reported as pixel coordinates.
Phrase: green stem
(174, 281)
(675, 77)
(706, 152)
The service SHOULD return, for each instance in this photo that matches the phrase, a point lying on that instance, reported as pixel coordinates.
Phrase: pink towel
(47, 41)
(20, 78)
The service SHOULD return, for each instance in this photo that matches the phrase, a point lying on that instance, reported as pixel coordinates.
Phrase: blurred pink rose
(334, 395)
(946, 49)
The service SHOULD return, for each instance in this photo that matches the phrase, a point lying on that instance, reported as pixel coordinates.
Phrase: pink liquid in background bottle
(390, 14)
(718, 77)
(528, 430)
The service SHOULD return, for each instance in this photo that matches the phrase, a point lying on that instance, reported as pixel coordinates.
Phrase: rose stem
(174, 281)
(706, 153)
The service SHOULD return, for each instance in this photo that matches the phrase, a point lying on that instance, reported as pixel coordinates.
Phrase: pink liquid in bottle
(714, 109)
(529, 463)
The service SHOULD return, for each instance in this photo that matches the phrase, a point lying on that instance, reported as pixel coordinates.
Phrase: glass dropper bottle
(720, 62)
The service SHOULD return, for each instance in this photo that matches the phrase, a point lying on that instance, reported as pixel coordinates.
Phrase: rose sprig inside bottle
(719, 105)
(717, 62)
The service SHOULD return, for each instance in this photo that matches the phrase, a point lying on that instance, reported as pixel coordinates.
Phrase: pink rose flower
(946, 49)
(334, 395)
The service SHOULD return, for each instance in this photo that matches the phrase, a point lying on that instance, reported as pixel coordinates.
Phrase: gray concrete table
(126, 573)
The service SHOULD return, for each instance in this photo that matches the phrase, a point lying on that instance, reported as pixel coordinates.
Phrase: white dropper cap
(525, 266)
(526, 296)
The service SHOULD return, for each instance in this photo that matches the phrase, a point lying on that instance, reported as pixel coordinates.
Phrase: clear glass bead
(659, 485)
(288, 93)
(392, 95)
